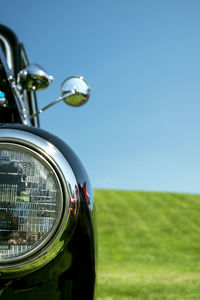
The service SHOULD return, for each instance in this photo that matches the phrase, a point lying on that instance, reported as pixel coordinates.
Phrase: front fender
(72, 270)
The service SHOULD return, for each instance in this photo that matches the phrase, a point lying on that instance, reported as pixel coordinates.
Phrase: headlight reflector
(31, 201)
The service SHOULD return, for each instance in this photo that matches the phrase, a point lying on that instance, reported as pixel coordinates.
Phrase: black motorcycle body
(47, 213)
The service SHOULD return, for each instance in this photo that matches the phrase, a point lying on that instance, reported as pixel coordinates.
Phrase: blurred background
(141, 128)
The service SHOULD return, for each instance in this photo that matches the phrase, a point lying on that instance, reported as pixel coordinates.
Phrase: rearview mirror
(75, 91)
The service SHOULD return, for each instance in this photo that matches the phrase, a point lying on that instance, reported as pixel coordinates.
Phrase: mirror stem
(51, 104)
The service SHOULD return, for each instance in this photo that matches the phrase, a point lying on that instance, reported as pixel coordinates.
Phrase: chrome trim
(70, 194)
(34, 108)
(75, 91)
(24, 55)
(30, 94)
(42, 159)
(9, 57)
(33, 78)
(19, 102)
(48, 105)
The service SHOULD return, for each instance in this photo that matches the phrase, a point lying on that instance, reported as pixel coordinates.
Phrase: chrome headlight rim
(70, 197)
(59, 217)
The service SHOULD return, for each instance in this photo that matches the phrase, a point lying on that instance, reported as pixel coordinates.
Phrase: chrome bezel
(70, 201)
(44, 241)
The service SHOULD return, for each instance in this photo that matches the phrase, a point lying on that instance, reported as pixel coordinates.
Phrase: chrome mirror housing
(33, 78)
(75, 91)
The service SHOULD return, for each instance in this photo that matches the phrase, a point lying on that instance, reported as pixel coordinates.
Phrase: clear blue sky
(141, 128)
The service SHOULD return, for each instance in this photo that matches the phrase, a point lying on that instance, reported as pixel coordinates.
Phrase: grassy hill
(149, 245)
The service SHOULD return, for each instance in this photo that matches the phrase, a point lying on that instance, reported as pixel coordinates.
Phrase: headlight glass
(31, 202)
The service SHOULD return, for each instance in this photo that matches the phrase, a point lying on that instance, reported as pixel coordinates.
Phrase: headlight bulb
(31, 201)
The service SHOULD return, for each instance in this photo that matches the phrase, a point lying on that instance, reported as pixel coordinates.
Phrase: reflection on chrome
(30, 201)
(39, 200)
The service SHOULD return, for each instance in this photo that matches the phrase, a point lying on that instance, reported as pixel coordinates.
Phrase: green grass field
(148, 245)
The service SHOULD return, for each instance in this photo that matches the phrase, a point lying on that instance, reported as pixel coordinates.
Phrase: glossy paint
(71, 274)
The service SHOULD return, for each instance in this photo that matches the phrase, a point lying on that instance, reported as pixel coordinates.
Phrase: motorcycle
(47, 212)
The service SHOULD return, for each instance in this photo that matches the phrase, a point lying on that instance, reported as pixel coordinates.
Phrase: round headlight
(31, 201)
